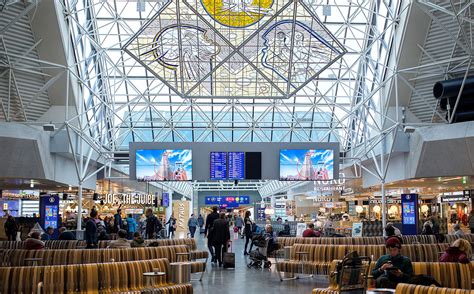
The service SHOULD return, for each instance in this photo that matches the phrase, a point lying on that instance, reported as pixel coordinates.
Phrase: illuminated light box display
(10, 206)
(153, 165)
(227, 201)
(235, 166)
(306, 164)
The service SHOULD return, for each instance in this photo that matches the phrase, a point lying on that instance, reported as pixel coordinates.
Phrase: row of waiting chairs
(408, 239)
(455, 277)
(16, 257)
(73, 244)
(317, 258)
(114, 277)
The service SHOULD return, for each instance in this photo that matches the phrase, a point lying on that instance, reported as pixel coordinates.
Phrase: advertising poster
(181, 214)
(356, 229)
(300, 227)
(49, 213)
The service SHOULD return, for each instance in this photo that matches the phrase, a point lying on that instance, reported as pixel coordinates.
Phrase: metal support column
(384, 199)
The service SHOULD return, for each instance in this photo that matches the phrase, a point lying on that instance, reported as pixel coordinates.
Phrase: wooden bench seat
(417, 289)
(451, 275)
(319, 257)
(409, 239)
(90, 278)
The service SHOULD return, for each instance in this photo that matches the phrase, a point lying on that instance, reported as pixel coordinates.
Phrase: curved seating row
(417, 289)
(16, 257)
(90, 278)
(74, 244)
(318, 259)
(409, 239)
(455, 276)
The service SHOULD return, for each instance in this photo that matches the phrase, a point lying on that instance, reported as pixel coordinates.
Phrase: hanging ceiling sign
(143, 199)
(455, 198)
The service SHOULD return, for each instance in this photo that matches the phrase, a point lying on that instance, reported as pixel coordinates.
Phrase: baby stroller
(258, 257)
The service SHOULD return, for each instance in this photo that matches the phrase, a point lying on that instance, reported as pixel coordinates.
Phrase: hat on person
(393, 242)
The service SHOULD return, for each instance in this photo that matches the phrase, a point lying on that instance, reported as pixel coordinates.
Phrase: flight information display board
(227, 201)
(236, 165)
(218, 165)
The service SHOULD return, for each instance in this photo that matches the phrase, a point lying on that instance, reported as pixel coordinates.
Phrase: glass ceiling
(137, 87)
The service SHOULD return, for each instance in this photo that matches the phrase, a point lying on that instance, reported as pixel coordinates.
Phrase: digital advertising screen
(227, 201)
(218, 166)
(51, 216)
(154, 165)
(409, 213)
(10, 206)
(236, 165)
(306, 164)
(165, 200)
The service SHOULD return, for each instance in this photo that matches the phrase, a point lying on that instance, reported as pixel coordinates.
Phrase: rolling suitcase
(228, 259)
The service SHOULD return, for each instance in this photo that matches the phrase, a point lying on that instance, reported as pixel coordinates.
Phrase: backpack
(424, 280)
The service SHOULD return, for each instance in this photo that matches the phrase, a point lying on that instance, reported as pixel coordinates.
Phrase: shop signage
(332, 185)
(455, 198)
(389, 201)
(468, 193)
(181, 214)
(20, 194)
(143, 199)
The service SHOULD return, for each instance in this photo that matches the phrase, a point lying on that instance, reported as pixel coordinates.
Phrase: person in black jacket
(220, 237)
(153, 225)
(208, 231)
(248, 231)
(11, 228)
(91, 235)
(65, 235)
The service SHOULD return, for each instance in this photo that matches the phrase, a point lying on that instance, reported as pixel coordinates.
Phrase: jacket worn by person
(453, 254)
(470, 221)
(192, 222)
(401, 262)
(118, 223)
(91, 235)
(210, 222)
(151, 226)
(201, 221)
(311, 233)
(132, 225)
(119, 243)
(66, 235)
(137, 242)
(239, 222)
(33, 244)
(220, 232)
(248, 227)
(10, 227)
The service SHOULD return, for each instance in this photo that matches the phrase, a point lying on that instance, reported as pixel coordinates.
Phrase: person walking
(11, 228)
(201, 223)
(118, 222)
(152, 224)
(220, 237)
(171, 227)
(208, 232)
(192, 225)
(248, 231)
(470, 221)
(91, 235)
(239, 223)
(131, 226)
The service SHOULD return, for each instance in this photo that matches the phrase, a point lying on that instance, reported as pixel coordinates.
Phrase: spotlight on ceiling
(32, 185)
(409, 129)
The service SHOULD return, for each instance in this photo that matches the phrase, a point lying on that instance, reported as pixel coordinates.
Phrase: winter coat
(453, 254)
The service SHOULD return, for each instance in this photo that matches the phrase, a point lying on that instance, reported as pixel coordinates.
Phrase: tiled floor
(245, 280)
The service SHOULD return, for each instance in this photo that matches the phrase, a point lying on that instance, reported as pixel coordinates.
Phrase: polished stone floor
(245, 280)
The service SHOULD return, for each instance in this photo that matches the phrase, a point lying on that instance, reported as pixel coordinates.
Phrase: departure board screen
(218, 165)
(236, 165)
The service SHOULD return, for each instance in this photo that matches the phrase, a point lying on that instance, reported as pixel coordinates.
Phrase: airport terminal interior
(237, 146)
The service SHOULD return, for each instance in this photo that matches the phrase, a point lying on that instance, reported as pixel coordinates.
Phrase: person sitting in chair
(392, 268)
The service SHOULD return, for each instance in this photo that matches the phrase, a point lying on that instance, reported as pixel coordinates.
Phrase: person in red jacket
(459, 251)
(310, 232)
(34, 242)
